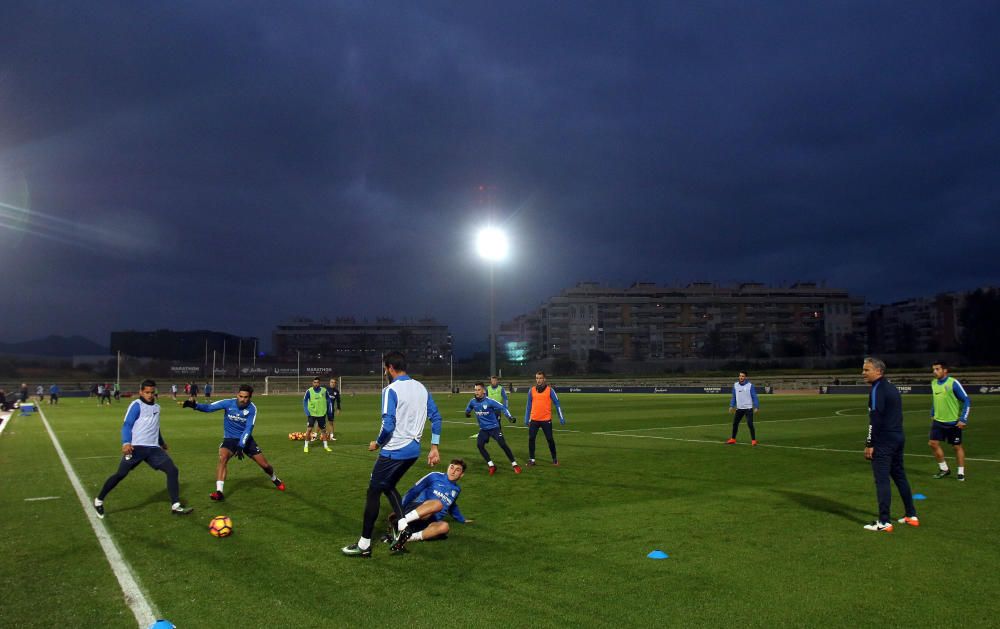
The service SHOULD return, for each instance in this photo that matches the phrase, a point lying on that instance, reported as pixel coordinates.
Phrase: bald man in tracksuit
(884, 446)
(538, 414)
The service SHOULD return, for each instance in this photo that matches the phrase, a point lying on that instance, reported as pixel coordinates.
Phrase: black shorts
(416, 525)
(312, 421)
(250, 448)
(387, 472)
(943, 432)
(491, 433)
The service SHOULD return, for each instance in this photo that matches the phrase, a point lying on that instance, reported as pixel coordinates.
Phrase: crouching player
(425, 506)
(237, 438)
(487, 412)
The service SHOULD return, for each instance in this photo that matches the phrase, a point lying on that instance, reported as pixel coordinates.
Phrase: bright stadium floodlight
(491, 244)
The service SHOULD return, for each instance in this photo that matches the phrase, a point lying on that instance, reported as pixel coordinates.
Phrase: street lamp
(492, 246)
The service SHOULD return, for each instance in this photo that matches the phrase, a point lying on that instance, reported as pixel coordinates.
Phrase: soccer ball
(221, 526)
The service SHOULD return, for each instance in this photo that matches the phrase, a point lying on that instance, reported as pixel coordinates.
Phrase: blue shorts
(944, 432)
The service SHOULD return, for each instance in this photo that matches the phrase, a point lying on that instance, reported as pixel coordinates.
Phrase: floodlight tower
(492, 247)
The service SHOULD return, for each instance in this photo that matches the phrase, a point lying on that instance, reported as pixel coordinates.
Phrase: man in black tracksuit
(884, 446)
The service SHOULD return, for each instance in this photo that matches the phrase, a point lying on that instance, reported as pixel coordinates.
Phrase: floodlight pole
(493, 326)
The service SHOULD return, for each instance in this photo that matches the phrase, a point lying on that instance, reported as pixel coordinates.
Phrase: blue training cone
(919, 497)
(658, 554)
(162, 624)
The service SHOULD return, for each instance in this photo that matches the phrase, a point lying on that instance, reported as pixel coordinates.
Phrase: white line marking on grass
(109, 456)
(755, 421)
(771, 445)
(42, 498)
(3, 424)
(136, 600)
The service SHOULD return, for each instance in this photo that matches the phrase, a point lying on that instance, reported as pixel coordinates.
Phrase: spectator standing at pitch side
(54, 394)
(406, 406)
(884, 446)
(744, 403)
(23, 394)
(538, 414)
(950, 407)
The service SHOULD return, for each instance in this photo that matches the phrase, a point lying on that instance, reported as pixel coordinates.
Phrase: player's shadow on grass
(824, 505)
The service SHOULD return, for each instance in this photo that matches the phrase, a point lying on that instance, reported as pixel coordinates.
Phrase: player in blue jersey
(488, 415)
(425, 506)
(143, 442)
(406, 407)
(241, 415)
(334, 409)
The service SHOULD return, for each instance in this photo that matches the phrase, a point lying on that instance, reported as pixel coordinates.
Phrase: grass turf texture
(765, 536)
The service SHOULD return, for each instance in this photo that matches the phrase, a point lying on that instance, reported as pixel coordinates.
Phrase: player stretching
(425, 505)
(237, 436)
(948, 420)
(488, 415)
(142, 441)
(317, 404)
(744, 402)
(406, 406)
(538, 414)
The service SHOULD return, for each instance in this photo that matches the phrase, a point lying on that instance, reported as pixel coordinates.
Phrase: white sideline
(136, 600)
(770, 445)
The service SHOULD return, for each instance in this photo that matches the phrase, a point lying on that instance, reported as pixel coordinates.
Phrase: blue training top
(487, 412)
(437, 486)
(238, 423)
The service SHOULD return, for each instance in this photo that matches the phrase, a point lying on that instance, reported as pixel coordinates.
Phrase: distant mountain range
(54, 346)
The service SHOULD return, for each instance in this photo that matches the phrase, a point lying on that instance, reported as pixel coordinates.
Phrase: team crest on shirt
(453, 494)
(246, 411)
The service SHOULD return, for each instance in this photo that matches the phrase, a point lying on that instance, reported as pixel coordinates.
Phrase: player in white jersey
(744, 403)
(142, 441)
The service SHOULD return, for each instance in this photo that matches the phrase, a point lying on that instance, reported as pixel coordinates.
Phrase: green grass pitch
(766, 536)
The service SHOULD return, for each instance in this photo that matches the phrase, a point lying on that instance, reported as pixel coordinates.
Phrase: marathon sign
(185, 370)
(922, 389)
(317, 371)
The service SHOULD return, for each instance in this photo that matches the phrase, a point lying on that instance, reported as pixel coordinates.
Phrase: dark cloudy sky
(232, 164)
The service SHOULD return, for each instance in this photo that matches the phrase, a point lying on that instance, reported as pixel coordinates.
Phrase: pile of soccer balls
(221, 526)
(300, 436)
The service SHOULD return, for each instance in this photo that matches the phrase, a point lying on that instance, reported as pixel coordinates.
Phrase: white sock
(531, 460)
(490, 463)
(274, 477)
(513, 463)
(943, 465)
(218, 485)
(416, 537)
(98, 502)
(961, 470)
(409, 517)
(176, 505)
(364, 543)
